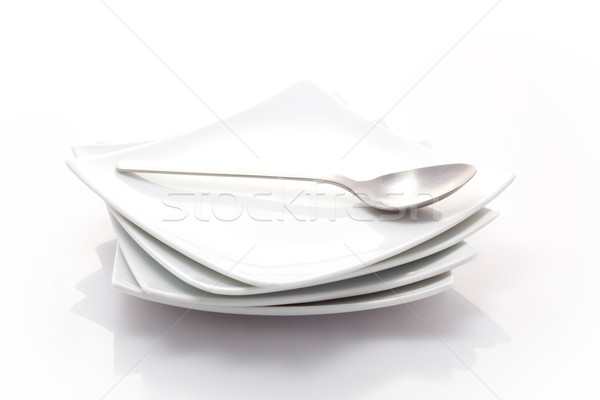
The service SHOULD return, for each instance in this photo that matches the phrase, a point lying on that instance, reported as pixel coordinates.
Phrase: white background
(520, 92)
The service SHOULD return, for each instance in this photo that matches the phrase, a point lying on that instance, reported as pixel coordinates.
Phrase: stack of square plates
(274, 247)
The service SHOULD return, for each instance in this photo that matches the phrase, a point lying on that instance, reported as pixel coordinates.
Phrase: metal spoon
(396, 191)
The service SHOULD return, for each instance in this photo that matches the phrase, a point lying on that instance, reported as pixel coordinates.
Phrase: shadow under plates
(349, 354)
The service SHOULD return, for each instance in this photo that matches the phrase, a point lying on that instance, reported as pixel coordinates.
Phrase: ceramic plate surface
(96, 149)
(124, 280)
(158, 282)
(280, 233)
(211, 281)
(206, 279)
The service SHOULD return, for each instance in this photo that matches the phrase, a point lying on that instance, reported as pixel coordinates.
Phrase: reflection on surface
(348, 355)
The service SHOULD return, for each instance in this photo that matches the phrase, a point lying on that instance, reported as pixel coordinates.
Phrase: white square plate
(211, 281)
(281, 239)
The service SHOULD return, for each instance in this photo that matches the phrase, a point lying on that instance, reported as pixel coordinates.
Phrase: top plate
(281, 233)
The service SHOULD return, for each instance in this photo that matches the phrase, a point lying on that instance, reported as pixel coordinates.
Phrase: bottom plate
(124, 280)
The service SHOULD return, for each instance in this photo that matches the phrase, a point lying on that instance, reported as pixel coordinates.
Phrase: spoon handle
(153, 167)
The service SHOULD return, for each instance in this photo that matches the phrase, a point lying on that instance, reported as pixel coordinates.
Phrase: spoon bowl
(413, 188)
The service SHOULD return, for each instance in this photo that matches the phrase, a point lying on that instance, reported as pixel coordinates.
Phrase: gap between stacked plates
(160, 283)
(125, 281)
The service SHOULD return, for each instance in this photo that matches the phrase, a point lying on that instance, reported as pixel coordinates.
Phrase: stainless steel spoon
(396, 191)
